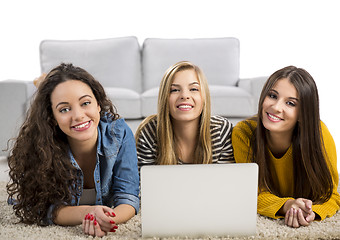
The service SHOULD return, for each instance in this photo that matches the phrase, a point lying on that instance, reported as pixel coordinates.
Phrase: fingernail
(113, 214)
(87, 216)
(112, 230)
(91, 217)
(115, 227)
(95, 222)
(112, 222)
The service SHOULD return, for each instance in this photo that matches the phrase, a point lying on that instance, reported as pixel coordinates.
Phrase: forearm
(71, 215)
(123, 213)
(270, 205)
(328, 208)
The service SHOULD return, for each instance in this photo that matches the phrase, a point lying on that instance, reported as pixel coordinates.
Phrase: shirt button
(97, 181)
(98, 199)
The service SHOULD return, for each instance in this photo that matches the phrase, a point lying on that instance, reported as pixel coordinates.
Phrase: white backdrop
(273, 34)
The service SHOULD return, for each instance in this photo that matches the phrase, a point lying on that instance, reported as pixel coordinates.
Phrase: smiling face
(185, 100)
(76, 110)
(280, 108)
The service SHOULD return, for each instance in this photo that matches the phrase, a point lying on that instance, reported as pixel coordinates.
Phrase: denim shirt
(116, 172)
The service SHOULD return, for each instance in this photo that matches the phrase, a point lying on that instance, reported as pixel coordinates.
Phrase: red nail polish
(113, 214)
(112, 230)
(91, 218)
(87, 216)
(112, 222)
(115, 227)
(95, 222)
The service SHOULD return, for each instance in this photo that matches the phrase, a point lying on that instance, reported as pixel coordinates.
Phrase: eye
(194, 89)
(291, 103)
(174, 90)
(272, 95)
(64, 110)
(86, 103)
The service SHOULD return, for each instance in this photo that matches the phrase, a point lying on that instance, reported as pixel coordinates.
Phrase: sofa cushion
(217, 57)
(231, 101)
(228, 101)
(126, 101)
(114, 62)
(149, 100)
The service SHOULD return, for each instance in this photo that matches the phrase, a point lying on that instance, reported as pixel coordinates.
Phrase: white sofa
(131, 73)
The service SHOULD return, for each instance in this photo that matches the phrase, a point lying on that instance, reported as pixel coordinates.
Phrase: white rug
(266, 228)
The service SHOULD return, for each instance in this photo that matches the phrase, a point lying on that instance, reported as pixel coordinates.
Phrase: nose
(78, 114)
(185, 94)
(278, 106)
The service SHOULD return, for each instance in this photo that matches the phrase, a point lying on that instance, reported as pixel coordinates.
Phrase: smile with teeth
(84, 125)
(274, 118)
(184, 106)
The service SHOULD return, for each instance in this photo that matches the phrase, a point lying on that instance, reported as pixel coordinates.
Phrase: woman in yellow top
(294, 150)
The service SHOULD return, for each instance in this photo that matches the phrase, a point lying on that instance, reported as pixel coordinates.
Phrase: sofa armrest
(15, 97)
(253, 86)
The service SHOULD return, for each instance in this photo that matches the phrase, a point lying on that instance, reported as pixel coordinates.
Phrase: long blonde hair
(166, 146)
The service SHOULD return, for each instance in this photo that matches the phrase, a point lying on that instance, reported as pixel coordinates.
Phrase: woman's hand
(91, 226)
(99, 221)
(298, 212)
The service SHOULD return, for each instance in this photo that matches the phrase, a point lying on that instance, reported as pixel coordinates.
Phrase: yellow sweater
(282, 169)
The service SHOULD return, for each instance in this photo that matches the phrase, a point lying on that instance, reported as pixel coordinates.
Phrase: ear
(99, 108)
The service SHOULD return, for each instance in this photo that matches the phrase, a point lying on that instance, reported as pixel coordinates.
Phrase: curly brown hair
(41, 173)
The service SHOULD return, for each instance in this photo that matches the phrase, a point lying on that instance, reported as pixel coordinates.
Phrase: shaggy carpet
(266, 228)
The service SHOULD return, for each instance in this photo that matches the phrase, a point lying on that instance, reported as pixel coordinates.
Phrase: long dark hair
(312, 178)
(41, 173)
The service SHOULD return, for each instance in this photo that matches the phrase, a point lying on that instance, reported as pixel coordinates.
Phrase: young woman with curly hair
(183, 130)
(74, 157)
(296, 154)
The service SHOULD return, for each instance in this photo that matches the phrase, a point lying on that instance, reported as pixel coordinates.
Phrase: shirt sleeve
(125, 172)
(227, 153)
(330, 207)
(241, 143)
(146, 146)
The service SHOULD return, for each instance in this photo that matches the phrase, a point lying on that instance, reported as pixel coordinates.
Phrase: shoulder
(247, 126)
(327, 139)
(325, 132)
(148, 126)
(114, 128)
(218, 123)
(147, 131)
(243, 131)
(330, 149)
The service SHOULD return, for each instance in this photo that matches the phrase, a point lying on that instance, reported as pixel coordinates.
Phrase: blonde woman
(183, 131)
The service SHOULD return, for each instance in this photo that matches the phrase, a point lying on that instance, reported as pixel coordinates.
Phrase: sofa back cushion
(114, 62)
(217, 57)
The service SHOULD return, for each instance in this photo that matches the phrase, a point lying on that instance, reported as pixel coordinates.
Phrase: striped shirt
(220, 130)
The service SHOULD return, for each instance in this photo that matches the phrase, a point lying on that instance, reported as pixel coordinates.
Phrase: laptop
(197, 200)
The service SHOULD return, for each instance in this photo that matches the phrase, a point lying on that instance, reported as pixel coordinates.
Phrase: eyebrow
(68, 102)
(193, 83)
(293, 98)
